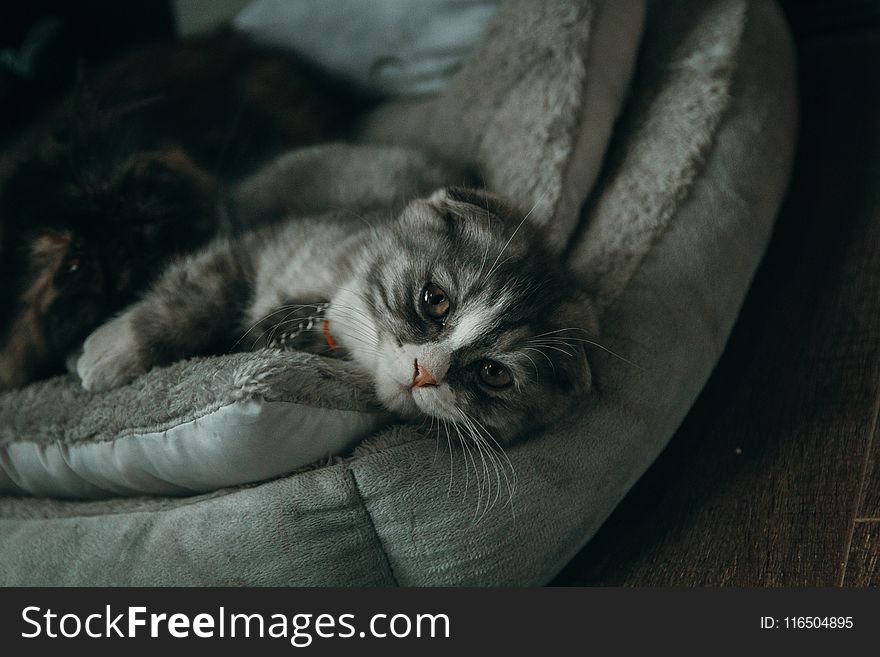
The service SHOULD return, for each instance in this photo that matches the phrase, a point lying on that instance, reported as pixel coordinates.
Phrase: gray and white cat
(454, 307)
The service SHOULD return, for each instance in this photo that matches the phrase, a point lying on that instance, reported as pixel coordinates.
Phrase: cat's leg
(194, 308)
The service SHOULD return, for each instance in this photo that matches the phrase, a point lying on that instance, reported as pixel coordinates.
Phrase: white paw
(111, 356)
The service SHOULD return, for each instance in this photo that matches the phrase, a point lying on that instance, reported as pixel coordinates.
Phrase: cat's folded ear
(578, 327)
(463, 200)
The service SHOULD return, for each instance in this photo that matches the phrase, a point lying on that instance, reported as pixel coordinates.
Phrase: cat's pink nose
(422, 377)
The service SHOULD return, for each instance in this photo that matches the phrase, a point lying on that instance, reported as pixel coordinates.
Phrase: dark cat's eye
(435, 302)
(494, 374)
(73, 265)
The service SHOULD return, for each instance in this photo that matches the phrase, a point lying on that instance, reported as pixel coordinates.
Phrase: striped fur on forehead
(481, 219)
(502, 272)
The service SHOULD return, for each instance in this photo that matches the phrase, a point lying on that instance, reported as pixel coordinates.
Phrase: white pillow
(386, 47)
(193, 427)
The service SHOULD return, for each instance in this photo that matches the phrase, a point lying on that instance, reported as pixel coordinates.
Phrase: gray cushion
(670, 238)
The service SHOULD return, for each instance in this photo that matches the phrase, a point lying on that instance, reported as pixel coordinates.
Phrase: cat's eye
(73, 265)
(435, 302)
(494, 374)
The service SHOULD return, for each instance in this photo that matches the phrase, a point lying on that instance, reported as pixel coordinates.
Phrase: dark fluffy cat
(455, 308)
(130, 174)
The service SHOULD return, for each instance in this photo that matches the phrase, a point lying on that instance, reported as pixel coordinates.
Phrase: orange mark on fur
(25, 350)
(50, 247)
(328, 337)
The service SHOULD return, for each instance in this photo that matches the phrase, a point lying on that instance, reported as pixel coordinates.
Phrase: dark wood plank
(863, 567)
(816, 17)
(870, 506)
(762, 483)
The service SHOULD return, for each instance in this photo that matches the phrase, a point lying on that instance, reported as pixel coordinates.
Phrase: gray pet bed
(677, 214)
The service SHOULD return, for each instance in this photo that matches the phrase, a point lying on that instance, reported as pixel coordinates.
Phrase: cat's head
(463, 314)
(85, 225)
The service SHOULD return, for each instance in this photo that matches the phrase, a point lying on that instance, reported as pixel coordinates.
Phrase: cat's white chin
(407, 401)
(414, 402)
(396, 397)
(435, 401)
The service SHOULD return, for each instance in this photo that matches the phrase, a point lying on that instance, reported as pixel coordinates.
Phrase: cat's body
(131, 172)
(454, 307)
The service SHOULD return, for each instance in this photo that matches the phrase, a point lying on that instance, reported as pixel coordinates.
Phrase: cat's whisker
(368, 342)
(451, 456)
(278, 325)
(359, 294)
(554, 338)
(361, 218)
(437, 442)
(567, 328)
(549, 360)
(351, 312)
(567, 343)
(354, 313)
(483, 459)
(362, 336)
(572, 349)
(469, 452)
(477, 478)
(516, 230)
(590, 342)
(541, 351)
(354, 309)
(260, 337)
(261, 320)
(449, 488)
(487, 459)
(485, 257)
(495, 449)
(610, 352)
(466, 465)
(555, 343)
(514, 480)
(353, 328)
(500, 264)
(616, 355)
(498, 467)
(534, 364)
(550, 346)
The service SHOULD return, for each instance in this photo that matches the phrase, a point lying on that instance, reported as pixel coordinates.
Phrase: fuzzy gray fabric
(682, 91)
(176, 394)
(399, 511)
(534, 105)
(333, 176)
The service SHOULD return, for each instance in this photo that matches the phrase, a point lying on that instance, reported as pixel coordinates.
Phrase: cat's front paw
(111, 356)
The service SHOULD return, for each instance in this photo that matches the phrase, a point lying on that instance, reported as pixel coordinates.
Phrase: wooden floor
(774, 477)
